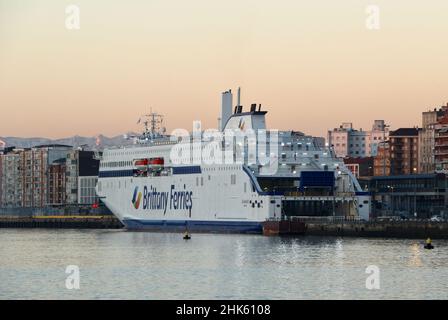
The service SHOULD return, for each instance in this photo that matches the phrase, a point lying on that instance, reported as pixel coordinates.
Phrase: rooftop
(409, 176)
(360, 160)
(404, 132)
(52, 146)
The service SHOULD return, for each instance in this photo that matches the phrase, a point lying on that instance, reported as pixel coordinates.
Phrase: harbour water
(118, 264)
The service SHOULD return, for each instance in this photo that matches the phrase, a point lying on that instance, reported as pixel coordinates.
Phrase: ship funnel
(239, 97)
(226, 107)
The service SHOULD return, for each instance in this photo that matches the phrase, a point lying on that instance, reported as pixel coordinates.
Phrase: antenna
(152, 123)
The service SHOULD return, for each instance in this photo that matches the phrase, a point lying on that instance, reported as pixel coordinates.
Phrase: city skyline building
(426, 138)
(349, 142)
(404, 151)
(381, 162)
(441, 145)
(47, 175)
(10, 180)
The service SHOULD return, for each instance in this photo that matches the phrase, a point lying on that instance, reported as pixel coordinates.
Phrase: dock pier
(275, 227)
(354, 227)
(294, 226)
(61, 222)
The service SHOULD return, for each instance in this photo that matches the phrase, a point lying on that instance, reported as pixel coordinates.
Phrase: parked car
(383, 218)
(436, 218)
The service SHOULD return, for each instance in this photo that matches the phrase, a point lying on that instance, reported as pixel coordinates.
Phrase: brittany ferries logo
(136, 198)
(174, 199)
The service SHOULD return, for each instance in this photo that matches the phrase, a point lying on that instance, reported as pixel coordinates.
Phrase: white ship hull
(208, 200)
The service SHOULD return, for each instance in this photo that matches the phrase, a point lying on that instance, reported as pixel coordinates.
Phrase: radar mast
(153, 126)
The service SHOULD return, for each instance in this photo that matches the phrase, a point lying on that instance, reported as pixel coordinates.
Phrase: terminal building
(409, 196)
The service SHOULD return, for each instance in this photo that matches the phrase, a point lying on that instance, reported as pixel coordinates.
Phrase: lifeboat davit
(141, 164)
(144, 164)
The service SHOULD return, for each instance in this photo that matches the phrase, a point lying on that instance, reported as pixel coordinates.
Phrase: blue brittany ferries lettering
(229, 185)
(160, 200)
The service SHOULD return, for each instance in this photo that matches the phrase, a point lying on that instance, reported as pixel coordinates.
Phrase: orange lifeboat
(141, 164)
(156, 162)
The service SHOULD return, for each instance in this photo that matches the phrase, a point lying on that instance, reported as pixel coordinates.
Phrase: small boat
(428, 244)
(186, 236)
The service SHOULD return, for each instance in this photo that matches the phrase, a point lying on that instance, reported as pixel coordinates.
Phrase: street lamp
(415, 193)
(384, 148)
(392, 198)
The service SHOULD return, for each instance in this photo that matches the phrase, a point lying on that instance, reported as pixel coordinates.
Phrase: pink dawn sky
(311, 64)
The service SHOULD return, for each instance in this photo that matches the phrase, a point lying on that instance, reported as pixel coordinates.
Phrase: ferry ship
(146, 186)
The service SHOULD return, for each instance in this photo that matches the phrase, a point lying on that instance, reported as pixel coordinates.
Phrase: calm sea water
(116, 264)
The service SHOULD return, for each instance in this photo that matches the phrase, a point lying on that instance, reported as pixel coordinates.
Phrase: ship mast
(152, 123)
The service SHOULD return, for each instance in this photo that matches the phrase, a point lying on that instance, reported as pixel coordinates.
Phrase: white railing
(317, 219)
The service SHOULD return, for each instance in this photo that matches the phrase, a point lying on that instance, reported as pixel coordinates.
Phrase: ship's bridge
(254, 120)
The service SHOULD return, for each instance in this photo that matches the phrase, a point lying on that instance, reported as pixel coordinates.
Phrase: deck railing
(323, 219)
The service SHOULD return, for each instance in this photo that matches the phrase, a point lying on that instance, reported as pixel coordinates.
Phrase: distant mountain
(90, 143)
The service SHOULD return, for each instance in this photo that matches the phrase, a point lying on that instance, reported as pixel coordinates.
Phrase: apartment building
(35, 165)
(81, 177)
(404, 151)
(427, 138)
(349, 142)
(441, 145)
(38, 176)
(381, 162)
(56, 183)
(10, 180)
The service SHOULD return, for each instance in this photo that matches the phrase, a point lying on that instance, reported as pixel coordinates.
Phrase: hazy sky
(312, 64)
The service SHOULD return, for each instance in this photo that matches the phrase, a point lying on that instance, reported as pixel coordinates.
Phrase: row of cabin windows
(200, 180)
(112, 184)
(229, 168)
(193, 157)
(146, 151)
(134, 152)
(129, 163)
(115, 164)
(194, 148)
